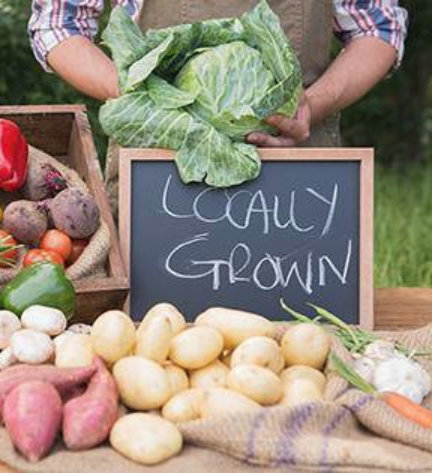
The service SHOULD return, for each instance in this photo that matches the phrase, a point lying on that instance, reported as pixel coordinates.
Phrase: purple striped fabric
(53, 21)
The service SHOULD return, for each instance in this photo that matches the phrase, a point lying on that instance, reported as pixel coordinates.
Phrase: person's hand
(292, 130)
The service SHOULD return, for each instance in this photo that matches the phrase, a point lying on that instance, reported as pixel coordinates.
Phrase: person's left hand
(292, 130)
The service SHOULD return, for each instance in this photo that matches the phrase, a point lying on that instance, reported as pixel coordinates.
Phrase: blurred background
(396, 119)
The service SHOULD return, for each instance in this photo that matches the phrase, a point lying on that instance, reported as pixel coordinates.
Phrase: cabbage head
(200, 88)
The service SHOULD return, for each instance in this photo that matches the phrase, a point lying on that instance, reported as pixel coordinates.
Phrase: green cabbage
(200, 88)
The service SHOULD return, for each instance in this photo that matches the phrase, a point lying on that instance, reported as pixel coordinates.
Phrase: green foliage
(403, 225)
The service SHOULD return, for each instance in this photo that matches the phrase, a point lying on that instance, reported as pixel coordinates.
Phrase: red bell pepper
(13, 156)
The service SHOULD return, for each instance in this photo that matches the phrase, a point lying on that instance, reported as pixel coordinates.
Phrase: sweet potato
(88, 419)
(63, 379)
(32, 414)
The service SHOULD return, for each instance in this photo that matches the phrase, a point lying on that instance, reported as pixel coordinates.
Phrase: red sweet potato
(88, 419)
(63, 379)
(32, 415)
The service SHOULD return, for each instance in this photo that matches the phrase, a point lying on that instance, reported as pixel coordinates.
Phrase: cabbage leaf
(200, 88)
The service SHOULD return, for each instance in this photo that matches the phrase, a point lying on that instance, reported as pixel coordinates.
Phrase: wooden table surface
(400, 308)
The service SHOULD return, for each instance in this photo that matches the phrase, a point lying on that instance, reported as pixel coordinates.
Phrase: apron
(307, 23)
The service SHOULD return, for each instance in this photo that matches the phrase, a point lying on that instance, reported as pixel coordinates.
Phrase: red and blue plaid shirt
(53, 21)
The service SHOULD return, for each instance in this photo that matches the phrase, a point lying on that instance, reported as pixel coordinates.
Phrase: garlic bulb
(365, 367)
(380, 350)
(401, 375)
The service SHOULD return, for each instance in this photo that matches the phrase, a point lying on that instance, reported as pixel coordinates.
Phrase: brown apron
(307, 23)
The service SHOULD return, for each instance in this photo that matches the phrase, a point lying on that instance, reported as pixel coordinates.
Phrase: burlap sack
(92, 262)
(350, 432)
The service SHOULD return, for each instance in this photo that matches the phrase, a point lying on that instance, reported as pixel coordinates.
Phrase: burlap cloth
(92, 262)
(350, 432)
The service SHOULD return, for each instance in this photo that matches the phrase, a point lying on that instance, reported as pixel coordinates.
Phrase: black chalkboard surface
(301, 231)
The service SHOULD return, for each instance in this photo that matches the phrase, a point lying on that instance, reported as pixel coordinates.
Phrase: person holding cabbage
(221, 85)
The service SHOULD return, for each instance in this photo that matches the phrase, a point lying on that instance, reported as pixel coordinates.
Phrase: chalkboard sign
(301, 231)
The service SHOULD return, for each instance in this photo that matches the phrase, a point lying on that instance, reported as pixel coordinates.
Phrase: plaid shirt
(53, 21)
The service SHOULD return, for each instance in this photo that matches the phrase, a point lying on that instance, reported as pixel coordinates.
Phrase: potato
(261, 351)
(7, 358)
(184, 406)
(9, 324)
(211, 376)
(304, 372)
(44, 319)
(146, 438)
(178, 323)
(143, 384)
(84, 329)
(226, 358)
(153, 342)
(29, 346)
(196, 347)
(301, 390)
(257, 383)
(75, 351)
(306, 344)
(236, 326)
(60, 339)
(177, 378)
(113, 335)
(221, 401)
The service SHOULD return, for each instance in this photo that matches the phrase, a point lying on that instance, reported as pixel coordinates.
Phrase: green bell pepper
(41, 283)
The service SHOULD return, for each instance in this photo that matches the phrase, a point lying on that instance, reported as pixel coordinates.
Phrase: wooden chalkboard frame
(365, 157)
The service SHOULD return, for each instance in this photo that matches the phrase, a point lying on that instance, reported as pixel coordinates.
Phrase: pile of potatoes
(229, 361)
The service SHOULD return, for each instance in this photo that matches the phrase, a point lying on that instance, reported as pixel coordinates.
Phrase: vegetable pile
(164, 372)
(200, 88)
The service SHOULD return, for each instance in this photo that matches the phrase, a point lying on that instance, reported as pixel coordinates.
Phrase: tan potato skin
(304, 372)
(211, 376)
(184, 406)
(177, 378)
(306, 344)
(143, 384)
(236, 326)
(163, 309)
(146, 438)
(259, 384)
(196, 347)
(153, 342)
(220, 401)
(261, 351)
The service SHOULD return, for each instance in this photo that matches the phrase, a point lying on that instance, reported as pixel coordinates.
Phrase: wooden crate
(63, 131)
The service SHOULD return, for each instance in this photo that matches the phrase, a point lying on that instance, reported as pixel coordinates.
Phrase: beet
(43, 181)
(25, 221)
(75, 213)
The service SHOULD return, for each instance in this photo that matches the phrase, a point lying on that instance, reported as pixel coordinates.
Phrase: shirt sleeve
(53, 21)
(383, 19)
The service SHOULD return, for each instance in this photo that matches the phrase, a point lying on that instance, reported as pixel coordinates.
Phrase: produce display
(200, 89)
(134, 387)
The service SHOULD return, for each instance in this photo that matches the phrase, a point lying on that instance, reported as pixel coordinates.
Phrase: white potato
(153, 342)
(142, 383)
(177, 378)
(146, 438)
(226, 358)
(301, 390)
(220, 401)
(163, 309)
(304, 372)
(29, 346)
(44, 319)
(75, 351)
(9, 324)
(196, 347)
(236, 326)
(261, 351)
(84, 329)
(213, 375)
(306, 344)
(257, 383)
(184, 406)
(113, 335)
(60, 339)
(7, 358)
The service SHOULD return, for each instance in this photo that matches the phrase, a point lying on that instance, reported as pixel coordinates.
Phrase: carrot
(404, 406)
(408, 409)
